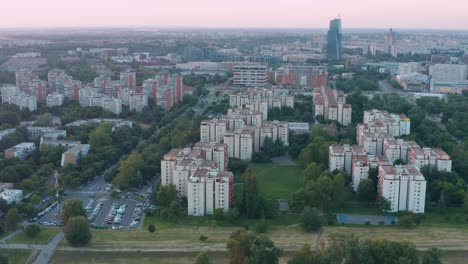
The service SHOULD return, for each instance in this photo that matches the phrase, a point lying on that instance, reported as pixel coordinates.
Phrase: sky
(413, 14)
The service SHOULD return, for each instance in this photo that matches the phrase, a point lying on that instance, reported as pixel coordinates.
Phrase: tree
(218, 214)
(128, 171)
(231, 215)
(3, 260)
(77, 231)
(303, 256)
(442, 203)
(101, 136)
(12, 219)
(166, 195)
(32, 230)
(366, 190)
(247, 248)
(72, 208)
(202, 258)
(312, 172)
(251, 195)
(151, 228)
(44, 120)
(405, 221)
(432, 256)
(384, 204)
(261, 226)
(310, 220)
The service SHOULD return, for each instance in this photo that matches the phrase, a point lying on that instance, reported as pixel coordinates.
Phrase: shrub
(203, 238)
(151, 228)
(32, 230)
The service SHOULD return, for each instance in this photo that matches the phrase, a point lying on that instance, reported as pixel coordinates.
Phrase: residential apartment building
(12, 95)
(403, 186)
(138, 101)
(73, 155)
(201, 175)
(20, 151)
(331, 104)
(420, 157)
(128, 80)
(209, 190)
(295, 75)
(250, 74)
(54, 99)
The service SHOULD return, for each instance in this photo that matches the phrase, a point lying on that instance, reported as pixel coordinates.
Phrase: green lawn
(16, 255)
(278, 181)
(43, 237)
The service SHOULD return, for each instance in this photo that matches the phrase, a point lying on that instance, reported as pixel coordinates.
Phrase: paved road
(45, 251)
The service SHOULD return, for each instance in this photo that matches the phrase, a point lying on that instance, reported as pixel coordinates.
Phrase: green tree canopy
(101, 136)
(73, 207)
(77, 231)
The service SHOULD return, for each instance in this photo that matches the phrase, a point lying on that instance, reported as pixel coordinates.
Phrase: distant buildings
(448, 78)
(250, 74)
(244, 130)
(331, 104)
(334, 41)
(20, 151)
(260, 100)
(293, 75)
(12, 95)
(128, 80)
(54, 99)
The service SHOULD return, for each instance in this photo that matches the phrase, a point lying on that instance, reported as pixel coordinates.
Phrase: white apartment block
(12, 95)
(250, 74)
(85, 96)
(260, 100)
(213, 130)
(113, 105)
(138, 101)
(360, 167)
(331, 104)
(420, 157)
(200, 175)
(209, 190)
(340, 157)
(404, 187)
(448, 72)
(54, 99)
(381, 121)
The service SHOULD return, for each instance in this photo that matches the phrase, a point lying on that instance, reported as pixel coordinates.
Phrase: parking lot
(131, 216)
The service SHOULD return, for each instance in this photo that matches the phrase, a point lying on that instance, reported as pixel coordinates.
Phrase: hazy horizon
(299, 14)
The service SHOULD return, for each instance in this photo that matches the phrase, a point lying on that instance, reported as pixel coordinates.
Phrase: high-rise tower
(334, 39)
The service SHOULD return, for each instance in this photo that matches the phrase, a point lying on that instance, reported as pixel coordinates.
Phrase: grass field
(43, 237)
(16, 255)
(452, 257)
(278, 181)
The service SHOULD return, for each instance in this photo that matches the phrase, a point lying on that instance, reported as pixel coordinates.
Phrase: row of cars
(53, 223)
(116, 213)
(47, 210)
(92, 215)
(136, 217)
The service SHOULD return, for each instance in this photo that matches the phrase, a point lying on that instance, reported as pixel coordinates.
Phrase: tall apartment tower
(390, 46)
(334, 39)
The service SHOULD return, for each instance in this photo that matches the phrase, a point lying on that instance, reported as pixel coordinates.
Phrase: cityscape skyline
(209, 13)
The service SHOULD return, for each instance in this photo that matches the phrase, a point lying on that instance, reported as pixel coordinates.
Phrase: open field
(452, 257)
(16, 255)
(287, 237)
(43, 237)
(278, 181)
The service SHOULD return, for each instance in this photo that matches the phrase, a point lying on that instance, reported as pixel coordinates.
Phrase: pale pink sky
(435, 14)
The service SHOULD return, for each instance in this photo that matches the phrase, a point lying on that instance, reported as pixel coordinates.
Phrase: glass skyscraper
(334, 39)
